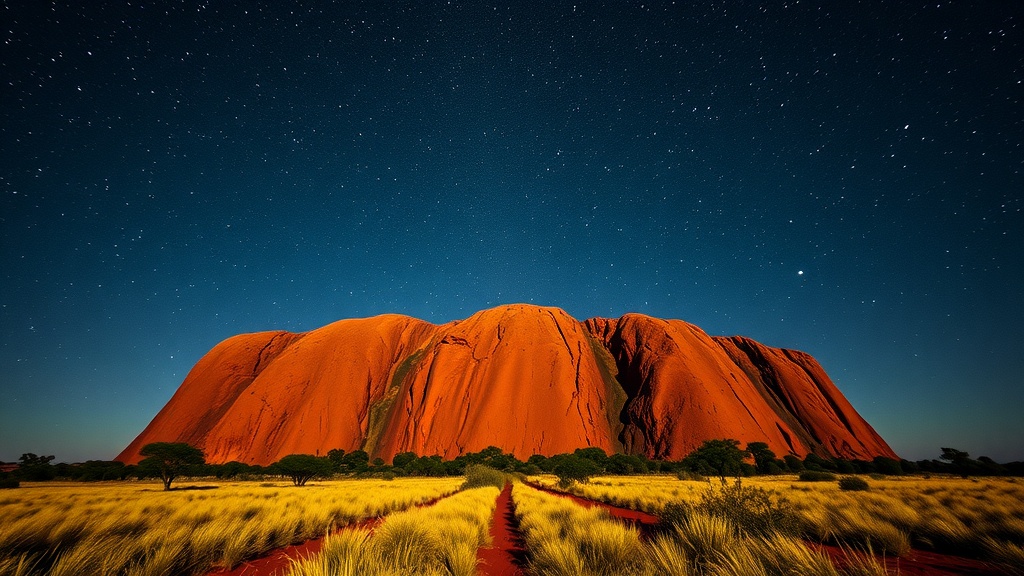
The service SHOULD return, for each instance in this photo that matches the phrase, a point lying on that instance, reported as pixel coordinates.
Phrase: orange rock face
(686, 387)
(528, 379)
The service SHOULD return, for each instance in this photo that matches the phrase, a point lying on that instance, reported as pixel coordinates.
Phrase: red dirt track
(277, 561)
(921, 563)
(506, 555)
(642, 521)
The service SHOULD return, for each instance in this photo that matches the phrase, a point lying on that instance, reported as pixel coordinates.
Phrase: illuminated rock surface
(528, 379)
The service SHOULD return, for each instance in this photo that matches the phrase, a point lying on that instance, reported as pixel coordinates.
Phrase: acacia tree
(302, 467)
(170, 459)
(35, 468)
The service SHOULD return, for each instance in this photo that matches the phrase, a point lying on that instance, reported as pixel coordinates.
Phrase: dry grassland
(137, 529)
(981, 518)
(439, 540)
(566, 539)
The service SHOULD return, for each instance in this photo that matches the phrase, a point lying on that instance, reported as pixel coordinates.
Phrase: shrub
(9, 483)
(675, 513)
(753, 511)
(816, 476)
(853, 484)
(479, 475)
(793, 463)
(572, 469)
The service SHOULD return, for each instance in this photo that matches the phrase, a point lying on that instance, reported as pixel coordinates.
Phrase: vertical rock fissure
(562, 334)
(259, 357)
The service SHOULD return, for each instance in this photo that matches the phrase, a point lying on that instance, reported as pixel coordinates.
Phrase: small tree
(719, 457)
(959, 461)
(594, 454)
(625, 464)
(793, 463)
(764, 458)
(572, 468)
(403, 459)
(355, 461)
(35, 468)
(302, 467)
(887, 466)
(170, 460)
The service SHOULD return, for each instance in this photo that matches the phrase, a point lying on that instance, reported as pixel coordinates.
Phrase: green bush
(479, 475)
(816, 476)
(572, 469)
(9, 483)
(302, 467)
(676, 513)
(753, 510)
(853, 484)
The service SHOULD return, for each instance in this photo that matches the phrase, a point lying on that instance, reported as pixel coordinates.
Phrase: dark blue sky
(840, 178)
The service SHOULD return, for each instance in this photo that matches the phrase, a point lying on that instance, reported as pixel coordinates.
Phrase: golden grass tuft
(1009, 556)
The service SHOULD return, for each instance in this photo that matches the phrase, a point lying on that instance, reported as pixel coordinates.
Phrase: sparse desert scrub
(853, 484)
(139, 529)
(952, 515)
(946, 514)
(564, 539)
(436, 540)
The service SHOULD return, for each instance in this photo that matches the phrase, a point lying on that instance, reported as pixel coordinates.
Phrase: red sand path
(642, 521)
(920, 563)
(506, 555)
(276, 562)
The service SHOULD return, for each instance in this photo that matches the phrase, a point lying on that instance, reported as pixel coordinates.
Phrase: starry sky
(843, 178)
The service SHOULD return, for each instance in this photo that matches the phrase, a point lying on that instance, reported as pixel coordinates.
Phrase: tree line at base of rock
(713, 458)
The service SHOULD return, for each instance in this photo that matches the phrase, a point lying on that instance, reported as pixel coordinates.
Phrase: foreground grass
(567, 539)
(437, 540)
(978, 518)
(137, 529)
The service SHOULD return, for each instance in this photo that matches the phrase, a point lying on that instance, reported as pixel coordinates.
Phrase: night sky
(843, 178)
